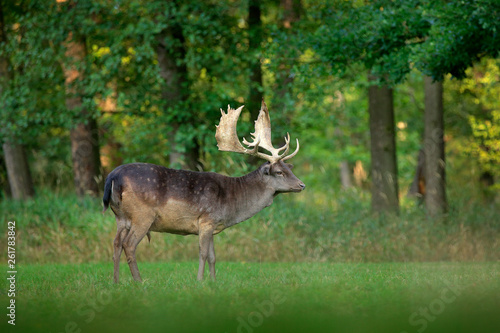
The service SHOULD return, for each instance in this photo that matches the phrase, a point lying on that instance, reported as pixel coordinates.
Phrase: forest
(90, 85)
(396, 104)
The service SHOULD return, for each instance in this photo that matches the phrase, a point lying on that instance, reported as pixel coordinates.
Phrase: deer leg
(211, 258)
(121, 233)
(205, 238)
(134, 236)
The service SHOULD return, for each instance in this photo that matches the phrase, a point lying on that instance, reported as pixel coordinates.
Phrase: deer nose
(302, 186)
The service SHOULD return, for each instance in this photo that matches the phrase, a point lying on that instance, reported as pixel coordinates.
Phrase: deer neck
(251, 196)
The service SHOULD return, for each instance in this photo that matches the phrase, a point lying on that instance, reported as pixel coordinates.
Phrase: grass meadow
(260, 297)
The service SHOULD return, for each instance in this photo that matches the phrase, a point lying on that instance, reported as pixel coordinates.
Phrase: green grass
(265, 297)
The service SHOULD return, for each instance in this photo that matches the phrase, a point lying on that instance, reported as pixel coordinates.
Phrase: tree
(171, 54)
(191, 47)
(459, 34)
(434, 169)
(366, 34)
(18, 171)
(474, 27)
(21, 184)
(384, 172)
(388, 36)
(78, 53)
(84, 134)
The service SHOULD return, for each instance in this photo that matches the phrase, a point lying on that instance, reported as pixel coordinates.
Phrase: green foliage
(33, 97)
(391, 38)
(212, 40)
(438, 37)
(121, 62)
(487, 144)
(480, 90)
(325, 55)
(381, 35)
(460, 34)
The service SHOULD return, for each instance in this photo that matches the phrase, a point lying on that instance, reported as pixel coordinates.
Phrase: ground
(259, 297)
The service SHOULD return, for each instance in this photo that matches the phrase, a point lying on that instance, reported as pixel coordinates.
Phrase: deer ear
(289, 165)
(266, 169)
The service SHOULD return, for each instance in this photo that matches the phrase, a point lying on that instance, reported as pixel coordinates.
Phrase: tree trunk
(345, 174)
(255, 46)
(21, 184)
(84, 135)
(86, 159)
(435, 195)
(345, 171)
(16, 163)
(175, 94)
(385, 196)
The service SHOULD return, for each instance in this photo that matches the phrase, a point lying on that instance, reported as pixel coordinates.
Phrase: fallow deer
(147, 197)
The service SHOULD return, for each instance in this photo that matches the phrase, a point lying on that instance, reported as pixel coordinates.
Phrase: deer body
(176, 198)
(147, 197)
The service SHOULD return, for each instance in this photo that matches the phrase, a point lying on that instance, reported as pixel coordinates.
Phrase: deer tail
(108, 189)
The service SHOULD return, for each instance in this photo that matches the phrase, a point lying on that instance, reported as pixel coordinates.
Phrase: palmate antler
(227, 137)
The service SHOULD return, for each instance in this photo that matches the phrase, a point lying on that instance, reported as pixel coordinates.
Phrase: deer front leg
(205, 239)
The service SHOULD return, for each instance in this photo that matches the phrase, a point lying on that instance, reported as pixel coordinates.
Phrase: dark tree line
(176, 61)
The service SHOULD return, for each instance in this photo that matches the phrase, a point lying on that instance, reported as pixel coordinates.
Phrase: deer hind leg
(121, 233)
(133, 238)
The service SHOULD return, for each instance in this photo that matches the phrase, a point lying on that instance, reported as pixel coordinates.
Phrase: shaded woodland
(367, 86)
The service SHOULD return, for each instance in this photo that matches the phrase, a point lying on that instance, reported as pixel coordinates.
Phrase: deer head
(277, 173)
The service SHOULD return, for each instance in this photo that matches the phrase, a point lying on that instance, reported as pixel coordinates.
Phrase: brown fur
(147, 197)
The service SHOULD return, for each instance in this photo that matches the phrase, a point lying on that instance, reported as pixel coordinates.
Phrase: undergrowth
(314, 226)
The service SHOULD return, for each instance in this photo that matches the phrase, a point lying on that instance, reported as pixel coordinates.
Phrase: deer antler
(227, 138)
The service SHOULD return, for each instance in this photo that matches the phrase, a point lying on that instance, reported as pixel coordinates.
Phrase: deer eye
(279, 173)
